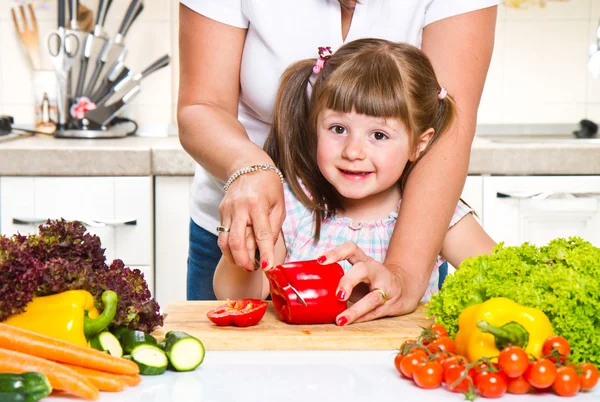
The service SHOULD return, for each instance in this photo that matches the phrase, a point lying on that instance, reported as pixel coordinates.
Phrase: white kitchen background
(538, 72)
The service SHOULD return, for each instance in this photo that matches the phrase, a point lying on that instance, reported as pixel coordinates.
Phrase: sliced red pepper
(241, 313)
(315, 283)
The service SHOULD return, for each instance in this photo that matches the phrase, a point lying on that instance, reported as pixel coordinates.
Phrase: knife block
(117, 130)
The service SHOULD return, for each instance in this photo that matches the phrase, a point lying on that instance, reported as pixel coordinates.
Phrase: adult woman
(226, 45)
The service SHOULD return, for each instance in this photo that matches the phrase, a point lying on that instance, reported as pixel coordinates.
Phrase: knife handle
(137, 13)
(131, 11)
(132, 92)
(61, 13)
(160, 63)
(108, 4)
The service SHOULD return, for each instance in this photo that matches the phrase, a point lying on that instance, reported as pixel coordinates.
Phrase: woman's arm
(466, 239)
(460, 49)
(209, 84)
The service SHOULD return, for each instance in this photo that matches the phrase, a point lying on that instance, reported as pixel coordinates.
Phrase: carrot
(32, 343)
(60, 377)
(103, 381)
(131, 380)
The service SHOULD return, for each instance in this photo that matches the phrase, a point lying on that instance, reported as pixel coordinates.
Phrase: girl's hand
(385, 292)
(256, 200)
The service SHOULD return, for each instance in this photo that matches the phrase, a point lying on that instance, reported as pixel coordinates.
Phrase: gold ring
(222, 229)
(384, 295)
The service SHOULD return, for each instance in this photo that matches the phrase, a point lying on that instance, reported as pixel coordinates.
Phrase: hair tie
(442, 93)
(324, 54)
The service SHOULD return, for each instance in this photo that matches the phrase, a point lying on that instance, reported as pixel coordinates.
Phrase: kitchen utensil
(134, 10)
(272, 334)
(103, 115)
(130, 79)
(29, 35)
(63, 45)
(83, 64)
(293, 289)
(118, 73)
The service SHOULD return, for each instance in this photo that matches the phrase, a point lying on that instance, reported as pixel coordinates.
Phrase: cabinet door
(539, 209)
(172, 198)
(117, 209)
(472, 193)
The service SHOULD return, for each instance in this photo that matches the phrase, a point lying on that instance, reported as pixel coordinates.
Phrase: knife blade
(292, 288)
(103, 115)
(132, 79)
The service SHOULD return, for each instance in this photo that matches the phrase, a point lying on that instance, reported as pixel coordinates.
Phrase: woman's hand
(377, 290)
(254, 199)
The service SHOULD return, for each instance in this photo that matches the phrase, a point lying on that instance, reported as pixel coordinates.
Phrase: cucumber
(151, 359)
(107, 342)
(184, 351)
(131, 338)
(26, 387)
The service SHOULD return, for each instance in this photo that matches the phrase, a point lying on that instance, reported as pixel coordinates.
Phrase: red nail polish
(340, 294)
(342, 321)
(264, 264)
(321, 259)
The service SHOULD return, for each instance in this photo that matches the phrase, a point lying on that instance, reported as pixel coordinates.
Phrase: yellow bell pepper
(485, 329)
(70, 315)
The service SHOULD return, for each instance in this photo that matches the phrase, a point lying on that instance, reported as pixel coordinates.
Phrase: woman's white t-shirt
(281, 32)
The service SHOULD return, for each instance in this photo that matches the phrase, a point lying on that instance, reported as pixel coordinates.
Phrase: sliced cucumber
(107, 342)
(185, 352)
(151, 359)
(131, 338)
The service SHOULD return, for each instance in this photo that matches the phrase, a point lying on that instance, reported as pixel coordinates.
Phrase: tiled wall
(538, 73)
(150, 37)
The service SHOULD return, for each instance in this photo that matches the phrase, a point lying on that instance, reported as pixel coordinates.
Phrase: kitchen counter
(147, 156)
(296, 376)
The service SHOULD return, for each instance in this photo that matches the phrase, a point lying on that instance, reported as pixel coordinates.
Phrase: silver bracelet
(250, 169)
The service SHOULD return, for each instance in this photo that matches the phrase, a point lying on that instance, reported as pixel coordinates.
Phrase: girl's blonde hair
(374, 77)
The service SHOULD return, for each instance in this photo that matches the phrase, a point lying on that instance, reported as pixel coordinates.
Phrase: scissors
(63, 45)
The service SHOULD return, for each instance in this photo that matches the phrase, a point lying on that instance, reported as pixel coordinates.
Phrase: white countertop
(286, 376)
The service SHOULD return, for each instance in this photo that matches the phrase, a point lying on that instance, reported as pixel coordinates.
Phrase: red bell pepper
(315, 283)
(241, 313)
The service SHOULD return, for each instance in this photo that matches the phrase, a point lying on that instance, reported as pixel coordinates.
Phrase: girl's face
(363, 156)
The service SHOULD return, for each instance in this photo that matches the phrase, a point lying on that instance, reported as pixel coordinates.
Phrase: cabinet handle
(545, 195)
(84, 222)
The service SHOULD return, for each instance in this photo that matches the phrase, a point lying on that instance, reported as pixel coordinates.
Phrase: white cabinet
(117, 209)
(472, 193)
(540, 208)
(172, 198)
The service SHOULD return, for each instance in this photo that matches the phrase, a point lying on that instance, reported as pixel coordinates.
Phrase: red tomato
(439, 329)
(454, 359)
(455, 371)
(491, 384)
(432, 333)
(518, 386)
(558, 343)
(397, 361)
(566, 382)
(588, 376)
(441, 356)
(408, 363)
(406, 346)
(442, 344)
(428, 375)
(513, 361)
(541, 373)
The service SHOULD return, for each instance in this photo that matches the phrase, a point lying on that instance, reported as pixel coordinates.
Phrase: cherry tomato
(408, 363)
(453, 372)
(442, 344)
(428, 375)
(441, 356)
(588, 376)
(491, 384)
(518, 386)
(513, 361)
(397, 361)
(406, 346)
(454, 359)
(541, 373)
(432, 333)
(560, 344)
(566, 382)
(439, 329)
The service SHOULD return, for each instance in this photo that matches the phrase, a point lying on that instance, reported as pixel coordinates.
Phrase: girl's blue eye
(338, 129)
(378, 135)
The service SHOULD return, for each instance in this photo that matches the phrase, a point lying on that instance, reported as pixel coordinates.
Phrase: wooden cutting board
(272, 334)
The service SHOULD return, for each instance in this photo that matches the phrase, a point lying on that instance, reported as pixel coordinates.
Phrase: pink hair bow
(324, 54)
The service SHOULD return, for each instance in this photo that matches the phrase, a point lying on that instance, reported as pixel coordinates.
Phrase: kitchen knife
(103, 115)
(134, 10)
(118, 73)
(133, 79)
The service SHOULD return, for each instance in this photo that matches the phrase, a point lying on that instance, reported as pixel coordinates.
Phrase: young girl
(347, 131)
